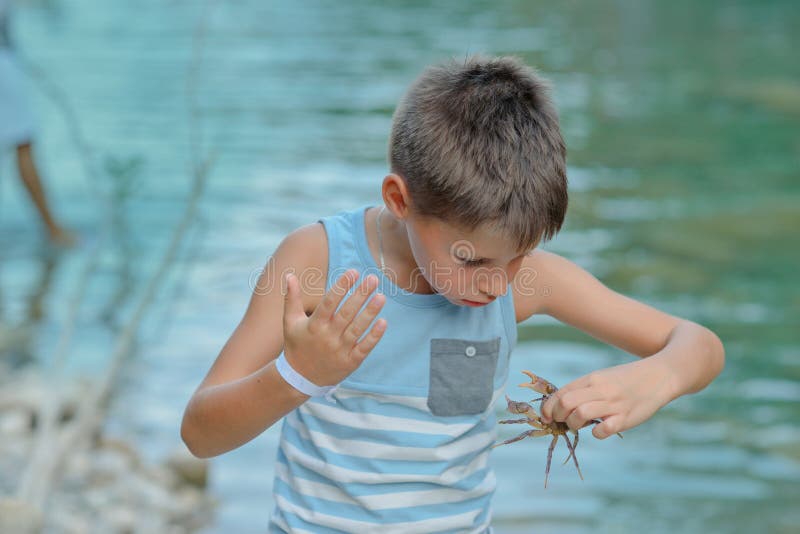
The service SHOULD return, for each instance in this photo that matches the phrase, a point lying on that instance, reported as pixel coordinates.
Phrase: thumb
(610, 425)
(292, 303)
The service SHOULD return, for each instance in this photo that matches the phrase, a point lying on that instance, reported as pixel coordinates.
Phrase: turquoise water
(682, 121)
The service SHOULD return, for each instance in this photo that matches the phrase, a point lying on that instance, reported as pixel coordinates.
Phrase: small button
(470, 351)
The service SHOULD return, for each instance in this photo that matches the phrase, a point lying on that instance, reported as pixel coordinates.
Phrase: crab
(540, 428)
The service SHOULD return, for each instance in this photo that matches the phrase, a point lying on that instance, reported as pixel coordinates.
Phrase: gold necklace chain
(380, 238)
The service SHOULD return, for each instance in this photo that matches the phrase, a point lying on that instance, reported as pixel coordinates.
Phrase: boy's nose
(495, 285)
(493, 294)
(492, 291)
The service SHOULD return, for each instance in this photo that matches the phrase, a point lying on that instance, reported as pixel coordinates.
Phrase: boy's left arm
(677, 356)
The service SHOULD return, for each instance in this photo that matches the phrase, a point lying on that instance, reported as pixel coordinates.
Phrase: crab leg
(510, 421)
(535, 423)
(549, 458)
(533, 433)
(572, 452)
(575, 446)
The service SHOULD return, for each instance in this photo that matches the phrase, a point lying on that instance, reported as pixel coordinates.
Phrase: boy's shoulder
(307, 251)
(529, 287)
(307, 248)
(546, 282)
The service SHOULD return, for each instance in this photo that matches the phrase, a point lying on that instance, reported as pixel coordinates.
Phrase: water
(681, 121)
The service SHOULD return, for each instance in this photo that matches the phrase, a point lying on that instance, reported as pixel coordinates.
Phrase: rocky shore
(103, 486)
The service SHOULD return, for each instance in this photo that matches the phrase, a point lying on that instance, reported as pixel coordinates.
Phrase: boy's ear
(396, 196)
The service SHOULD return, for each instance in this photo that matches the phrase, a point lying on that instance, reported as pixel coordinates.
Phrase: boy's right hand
(324, 347)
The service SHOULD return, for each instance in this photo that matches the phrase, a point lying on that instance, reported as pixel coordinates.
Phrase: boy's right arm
(243, 394)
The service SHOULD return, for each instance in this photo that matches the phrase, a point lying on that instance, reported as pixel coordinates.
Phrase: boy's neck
(401, 267)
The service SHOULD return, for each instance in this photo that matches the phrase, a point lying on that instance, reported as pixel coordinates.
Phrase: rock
(28, 392)
(123, 518)
(19, 517)
(122, 447)
(15, 422)
(190, 469)
(110, 463)
(105, 484)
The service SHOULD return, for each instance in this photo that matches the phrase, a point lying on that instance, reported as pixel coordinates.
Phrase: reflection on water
(681, 120)
(20, 323)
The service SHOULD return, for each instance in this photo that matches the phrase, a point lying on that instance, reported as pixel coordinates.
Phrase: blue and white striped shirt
(404, 446)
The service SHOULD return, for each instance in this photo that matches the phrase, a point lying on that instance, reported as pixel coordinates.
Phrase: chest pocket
(461, 375)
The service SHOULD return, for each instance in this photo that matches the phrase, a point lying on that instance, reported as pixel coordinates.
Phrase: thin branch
(44, 467)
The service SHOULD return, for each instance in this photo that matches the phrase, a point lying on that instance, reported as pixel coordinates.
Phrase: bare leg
(31, 181)
(30, 178)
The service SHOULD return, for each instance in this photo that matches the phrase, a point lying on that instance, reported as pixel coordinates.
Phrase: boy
(388, 401)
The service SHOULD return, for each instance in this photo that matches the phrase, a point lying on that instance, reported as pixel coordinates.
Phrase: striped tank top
(402, 445)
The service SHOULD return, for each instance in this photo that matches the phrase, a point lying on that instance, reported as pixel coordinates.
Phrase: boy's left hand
(622, 396)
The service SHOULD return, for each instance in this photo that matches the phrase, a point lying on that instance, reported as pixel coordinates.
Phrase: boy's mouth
(473, 303)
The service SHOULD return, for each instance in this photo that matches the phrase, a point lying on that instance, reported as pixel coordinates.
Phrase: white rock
(188, 467)
(19, 517)
(15, 422)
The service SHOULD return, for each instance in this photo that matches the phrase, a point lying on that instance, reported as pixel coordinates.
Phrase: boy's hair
(477, 143)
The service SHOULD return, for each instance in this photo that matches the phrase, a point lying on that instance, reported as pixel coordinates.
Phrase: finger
(347, 312)
(369, 341)
(610, 425)
(563, 403)
(292, 303)
(329, 303)
(587, 411)
(578, 383)
(551, 402)
(363, 320)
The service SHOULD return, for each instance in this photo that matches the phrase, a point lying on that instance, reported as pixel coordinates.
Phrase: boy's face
(465, 267)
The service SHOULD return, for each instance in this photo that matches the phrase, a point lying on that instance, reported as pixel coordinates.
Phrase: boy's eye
(472, 263)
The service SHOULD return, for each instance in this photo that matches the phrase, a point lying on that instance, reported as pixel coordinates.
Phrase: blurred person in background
(16, 130)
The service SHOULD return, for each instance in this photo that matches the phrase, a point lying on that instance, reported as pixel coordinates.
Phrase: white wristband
(300, 383)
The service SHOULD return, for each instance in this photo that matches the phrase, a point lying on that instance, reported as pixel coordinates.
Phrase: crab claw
(519, 407)
(539, 385)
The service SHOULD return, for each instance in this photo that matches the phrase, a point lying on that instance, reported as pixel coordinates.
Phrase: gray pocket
(462, 375)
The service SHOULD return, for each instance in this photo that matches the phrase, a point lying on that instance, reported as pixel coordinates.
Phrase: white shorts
(16, 119)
